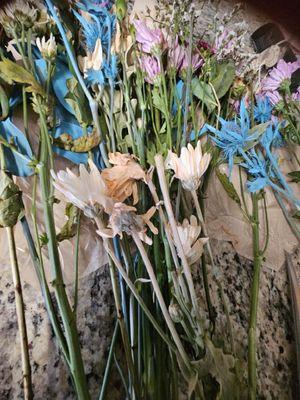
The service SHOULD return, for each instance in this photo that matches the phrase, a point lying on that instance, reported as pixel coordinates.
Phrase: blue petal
(16, 164)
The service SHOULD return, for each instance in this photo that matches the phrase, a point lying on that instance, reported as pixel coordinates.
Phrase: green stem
(26, 369)
(76, 265)
(161, 301)
(109, 362)
(68, 320)
(252, 346)
(123, 329)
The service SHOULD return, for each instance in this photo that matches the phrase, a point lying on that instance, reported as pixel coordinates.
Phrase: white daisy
(190, 166)
(86, 191)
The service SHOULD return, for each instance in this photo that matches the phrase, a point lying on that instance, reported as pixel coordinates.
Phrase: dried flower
(123, 218)
(189, 232)
(94, 60)
(86, 191)
(150, 65)
(121, 179)
(48, 48)
(190, 166)
(151, 40)
(23, 14)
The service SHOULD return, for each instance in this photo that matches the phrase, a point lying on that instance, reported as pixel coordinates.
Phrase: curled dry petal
(123, 218)
(189, 232)
(121, 179)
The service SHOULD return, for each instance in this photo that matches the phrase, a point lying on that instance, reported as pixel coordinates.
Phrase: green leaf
(228, 186)
(158, 101)
(69, 229)
(224, 76)
(81, 145)
(12, 72)
(4, 104)
(295, 176)
(204, 92)
(77, 100)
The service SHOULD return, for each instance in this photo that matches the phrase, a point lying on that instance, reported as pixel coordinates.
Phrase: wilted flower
(190, 166)
(48, 48)
(189, 232)
(86, 191)
(151, 40)
(150, 65)
(21, 14)
(123, 218)
(121, 179)
(116, 42)
(94, 60)
(16, 14)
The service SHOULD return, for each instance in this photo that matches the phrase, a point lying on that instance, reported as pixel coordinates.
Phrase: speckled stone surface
(276, 347)
(275, 334)
(50, 377)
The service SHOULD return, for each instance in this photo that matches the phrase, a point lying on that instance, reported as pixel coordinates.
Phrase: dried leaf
(81, 145)
(295, 176)
(221, 366)
(69, 229)
(11, 205)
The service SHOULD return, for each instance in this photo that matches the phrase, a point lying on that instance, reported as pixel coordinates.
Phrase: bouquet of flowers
(144, 112)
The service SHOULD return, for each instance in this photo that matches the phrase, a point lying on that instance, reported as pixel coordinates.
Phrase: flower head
(86, 191)
(151, 40)
(189, 232)
(123, 218)
(48, 48)
(100, 26)
(121, 179)
(257, 167)
(18, 14)
(272, 136)
(197, 62)
(190, 166)
(176, 54)
(263, 109)
(277, 78)
(233, 137)
(150, 66)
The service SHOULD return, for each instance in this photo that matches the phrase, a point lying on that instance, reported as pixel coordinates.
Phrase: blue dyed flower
(257, 167)
(234, 136)
(263, 110)
(101, 27)
(110, 68)
(272, 136)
